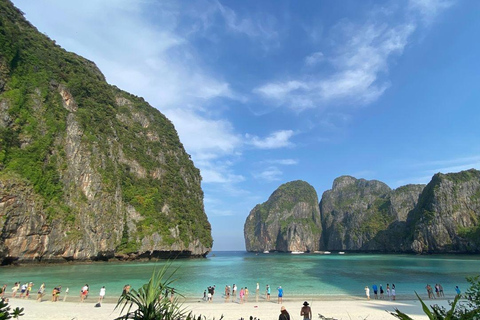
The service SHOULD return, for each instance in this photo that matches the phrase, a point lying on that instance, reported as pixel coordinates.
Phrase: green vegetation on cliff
(155, 175)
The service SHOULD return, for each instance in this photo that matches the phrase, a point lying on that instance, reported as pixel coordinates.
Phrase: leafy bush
(5, 312)
(457, 311)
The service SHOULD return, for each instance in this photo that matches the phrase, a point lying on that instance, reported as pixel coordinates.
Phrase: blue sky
(266, 92)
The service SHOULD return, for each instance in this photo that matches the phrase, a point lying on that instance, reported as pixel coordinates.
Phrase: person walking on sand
(66, 294)
(280, 295)
(257, 292)
(367, 292)
(394, 294)
(441, 290)
(284, 315)
(268, 292)
(375, 291)
(246, 294)
(102, 294)
(381, 292)
(29, 289)
(388, 292)
(40, 292)
(15, 289)
(306, 311)
(83, 293)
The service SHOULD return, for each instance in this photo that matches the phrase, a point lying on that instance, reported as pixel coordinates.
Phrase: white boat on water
(341, 252)
(327, 252)
(266, 251)
(297, 252)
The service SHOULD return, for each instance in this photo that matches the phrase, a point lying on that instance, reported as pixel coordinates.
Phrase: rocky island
(368, 216)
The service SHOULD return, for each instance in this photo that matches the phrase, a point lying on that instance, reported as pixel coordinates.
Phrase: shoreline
(339, 309)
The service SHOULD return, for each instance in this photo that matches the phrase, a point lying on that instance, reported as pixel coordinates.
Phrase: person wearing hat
(283, 314)
(306, 311)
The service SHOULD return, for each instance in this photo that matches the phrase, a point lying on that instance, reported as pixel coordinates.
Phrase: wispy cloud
(285, 162)
(269, 174)
(314, 59)
(359, 59)
(278, 139)
(429, 9)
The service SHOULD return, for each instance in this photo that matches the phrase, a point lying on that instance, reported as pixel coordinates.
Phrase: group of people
(390, 292)
(438, 291)
(305, 312)
(230, 293)
(24, 291)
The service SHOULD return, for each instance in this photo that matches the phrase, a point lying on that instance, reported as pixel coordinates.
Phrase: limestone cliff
(361, 215)
(447, 217)
(87, 171)
(288, 221)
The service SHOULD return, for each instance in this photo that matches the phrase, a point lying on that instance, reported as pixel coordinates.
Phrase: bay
(331, 276)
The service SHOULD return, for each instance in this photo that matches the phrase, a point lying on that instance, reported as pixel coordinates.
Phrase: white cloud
(278, 139)
(314, 58)
(285, 162)
(359, 61)
(429, 9)
(269, 174)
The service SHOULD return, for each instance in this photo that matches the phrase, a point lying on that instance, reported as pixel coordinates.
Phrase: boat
(266, 251)
(341, 252)
(327, 252)
(297, 252)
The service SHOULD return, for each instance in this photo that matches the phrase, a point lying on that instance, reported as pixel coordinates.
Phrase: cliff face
(361, 215)
(447, 218)
(288, 221)
(87, 171)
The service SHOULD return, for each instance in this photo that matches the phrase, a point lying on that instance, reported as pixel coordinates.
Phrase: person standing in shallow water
(280, 294)
(306, 311)
(284, 315)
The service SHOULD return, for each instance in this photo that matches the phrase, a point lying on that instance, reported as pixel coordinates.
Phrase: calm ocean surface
(327, 276)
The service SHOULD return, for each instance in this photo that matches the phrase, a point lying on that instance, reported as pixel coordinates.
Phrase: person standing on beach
(284, 314)
(246, 294)
(381, 292)
(375, 290)
(393, 292)
(367, 292)
(268, 292)
(4, 288)
(66, 294)
(388, 292)
(441, 290)
(457, 290)
(242, 294)
(306, 311)
(280, 295)
(15, 289)
(257, 291)
(102, 294)
(430, 292)
(234, 293)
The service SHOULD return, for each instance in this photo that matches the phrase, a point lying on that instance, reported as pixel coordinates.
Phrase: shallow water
(326, 276)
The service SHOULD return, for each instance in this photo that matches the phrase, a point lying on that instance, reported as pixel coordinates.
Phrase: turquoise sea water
(325, 276)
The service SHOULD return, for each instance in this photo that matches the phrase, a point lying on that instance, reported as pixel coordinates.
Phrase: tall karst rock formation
(87, 171)
(361, 215)
(288, 221)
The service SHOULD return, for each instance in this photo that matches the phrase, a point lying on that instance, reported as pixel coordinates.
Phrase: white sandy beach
(354, 309)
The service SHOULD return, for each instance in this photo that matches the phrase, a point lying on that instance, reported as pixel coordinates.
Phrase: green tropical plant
(149, 302)
(5, 312)
(457, 311)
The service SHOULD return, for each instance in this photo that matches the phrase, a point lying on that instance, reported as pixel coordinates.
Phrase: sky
(266, 92)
